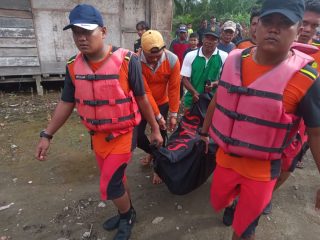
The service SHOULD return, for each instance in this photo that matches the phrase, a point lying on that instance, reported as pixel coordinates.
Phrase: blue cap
(85, 16)
(183, 28)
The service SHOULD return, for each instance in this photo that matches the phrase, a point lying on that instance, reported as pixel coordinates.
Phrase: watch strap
(45, 135)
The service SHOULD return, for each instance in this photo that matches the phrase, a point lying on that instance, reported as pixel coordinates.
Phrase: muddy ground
(59, 198)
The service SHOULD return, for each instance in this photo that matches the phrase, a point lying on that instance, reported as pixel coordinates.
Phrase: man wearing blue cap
(262, 95)
(105, 84)
(180, 44)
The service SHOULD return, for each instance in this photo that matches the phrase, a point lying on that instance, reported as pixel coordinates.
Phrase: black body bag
(182, 164)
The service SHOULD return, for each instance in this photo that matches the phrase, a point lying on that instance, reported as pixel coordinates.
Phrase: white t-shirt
(189, 58)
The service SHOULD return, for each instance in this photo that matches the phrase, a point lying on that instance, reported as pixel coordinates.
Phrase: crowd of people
(265, 105)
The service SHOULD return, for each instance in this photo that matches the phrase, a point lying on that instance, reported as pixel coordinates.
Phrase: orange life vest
(100, 100)
(251, 121)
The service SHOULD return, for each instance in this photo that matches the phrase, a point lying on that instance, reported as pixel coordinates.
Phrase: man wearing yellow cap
(161, 73)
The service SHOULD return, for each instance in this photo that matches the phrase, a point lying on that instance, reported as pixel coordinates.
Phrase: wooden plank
(19, 71)
(15, 4)
(105, 7)
(19, 61)
(17, 32)
(18, 52)
(29, 78)
(15, 13)
(6, 22)
(53, 67)
(17, 42)
(131, 13)
(9, 79)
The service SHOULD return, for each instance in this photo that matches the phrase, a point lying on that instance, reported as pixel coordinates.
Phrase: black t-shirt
(309, 106)
(137, 45)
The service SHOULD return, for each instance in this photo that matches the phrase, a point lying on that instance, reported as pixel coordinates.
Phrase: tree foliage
(194, 10)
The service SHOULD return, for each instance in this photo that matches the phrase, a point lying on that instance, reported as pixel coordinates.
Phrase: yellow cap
(152, 39)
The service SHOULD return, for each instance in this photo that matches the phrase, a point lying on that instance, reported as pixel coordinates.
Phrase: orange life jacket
(251, 121)
(100, 100)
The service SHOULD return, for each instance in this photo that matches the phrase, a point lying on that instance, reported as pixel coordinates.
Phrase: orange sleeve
(174, 88)
(296, 89)
(153, 103)
(244, 44)
(316, 64)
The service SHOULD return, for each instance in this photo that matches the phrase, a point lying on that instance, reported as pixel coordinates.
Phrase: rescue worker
(248, 42)
(161, 72)
(105, 84)
(296, 150)
(310, 24)
(263, 94)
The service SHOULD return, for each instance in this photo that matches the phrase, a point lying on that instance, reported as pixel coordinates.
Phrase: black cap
(85, 16)
(292, 9)
(215, 33)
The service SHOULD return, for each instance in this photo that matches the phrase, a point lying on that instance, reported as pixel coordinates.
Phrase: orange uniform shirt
(256, 169)
(162, 85)
(245, 44)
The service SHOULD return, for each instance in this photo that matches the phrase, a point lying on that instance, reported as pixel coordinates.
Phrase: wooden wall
(18, 43)
(34, 46)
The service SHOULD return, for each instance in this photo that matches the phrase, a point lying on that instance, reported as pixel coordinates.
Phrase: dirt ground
(59, 198)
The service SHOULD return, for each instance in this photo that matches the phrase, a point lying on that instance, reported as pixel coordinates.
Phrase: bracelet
(173, 114)
(158, 119)
(203, 134)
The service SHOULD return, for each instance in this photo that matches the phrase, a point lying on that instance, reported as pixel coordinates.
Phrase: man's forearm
(187, 84)
(60, 116)
(208, 117)
(147, 112)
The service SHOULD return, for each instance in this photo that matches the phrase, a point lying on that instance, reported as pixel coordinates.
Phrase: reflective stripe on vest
(251, 121)
(101, 102)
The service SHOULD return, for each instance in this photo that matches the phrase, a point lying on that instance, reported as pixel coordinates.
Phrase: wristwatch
(45, 135)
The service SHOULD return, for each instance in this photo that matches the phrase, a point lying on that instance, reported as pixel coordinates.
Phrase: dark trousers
(143, 141)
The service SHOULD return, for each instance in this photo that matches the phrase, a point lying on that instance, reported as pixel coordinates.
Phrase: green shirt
(202, 72)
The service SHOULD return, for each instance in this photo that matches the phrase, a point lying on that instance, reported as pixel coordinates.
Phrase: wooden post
(38, 83)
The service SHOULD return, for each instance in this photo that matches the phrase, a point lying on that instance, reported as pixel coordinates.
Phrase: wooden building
(33, 46)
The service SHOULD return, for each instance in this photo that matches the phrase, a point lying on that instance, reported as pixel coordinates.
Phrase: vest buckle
(243, 90)
(91, 77)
